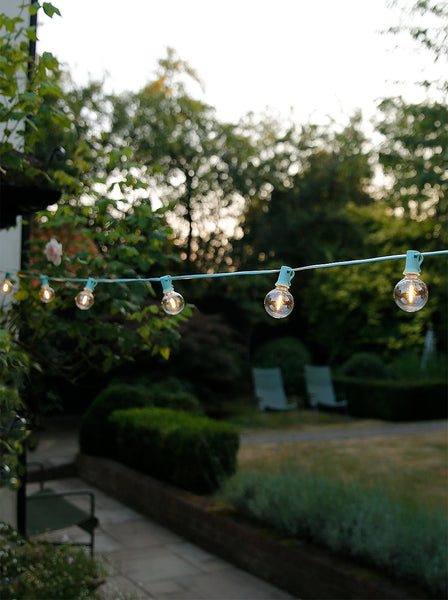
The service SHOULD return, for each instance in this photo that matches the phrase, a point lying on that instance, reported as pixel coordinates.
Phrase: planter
(300, 569)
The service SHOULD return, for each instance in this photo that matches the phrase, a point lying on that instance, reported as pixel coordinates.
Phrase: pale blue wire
(231, 274)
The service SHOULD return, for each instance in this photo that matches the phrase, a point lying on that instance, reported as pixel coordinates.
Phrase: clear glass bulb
(172, 303)
(411, 294)
(46, 294)
(6, 286)
(279, 302)
(84, 300)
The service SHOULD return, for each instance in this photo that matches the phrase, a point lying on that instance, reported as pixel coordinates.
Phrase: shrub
(406, 540)
(394, 400)
(365, 365)
(288, 353)
(33, 570)
(194, 453)
(96, 434)
(173, 393)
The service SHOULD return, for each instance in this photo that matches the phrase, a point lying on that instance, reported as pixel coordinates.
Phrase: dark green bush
(194, 453)
(395, 400)
(96, 434)
(173, 393)
(291, 355)
(365, 365)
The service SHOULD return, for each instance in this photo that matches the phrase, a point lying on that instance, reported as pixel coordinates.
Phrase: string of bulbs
(410, 293)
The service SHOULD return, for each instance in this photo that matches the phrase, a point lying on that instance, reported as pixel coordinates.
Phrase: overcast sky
(321, 57)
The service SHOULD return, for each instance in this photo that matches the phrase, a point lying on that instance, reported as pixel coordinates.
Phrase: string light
(279, 302)
(411, 293)
(7, 284)
(46, 293)
(85, 299)
(172, 302)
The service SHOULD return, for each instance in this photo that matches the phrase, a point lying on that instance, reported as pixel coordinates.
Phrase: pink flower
(53, 251)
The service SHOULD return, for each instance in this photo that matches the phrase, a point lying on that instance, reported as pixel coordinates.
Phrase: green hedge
(95, 434)
(194, 453)
(395, 400)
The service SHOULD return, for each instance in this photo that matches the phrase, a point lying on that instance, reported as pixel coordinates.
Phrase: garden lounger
(319, 387)
(269, 390)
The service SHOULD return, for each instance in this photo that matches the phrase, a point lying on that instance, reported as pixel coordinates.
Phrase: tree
(414, 155)
(105, 222)
(203, 169)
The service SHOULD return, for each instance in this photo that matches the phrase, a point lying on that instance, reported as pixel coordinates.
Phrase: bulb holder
(285, 276)
(167, 284)
(414, 260)
(91, 284)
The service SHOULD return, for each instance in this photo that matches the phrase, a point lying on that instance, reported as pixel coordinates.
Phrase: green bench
(47, 510)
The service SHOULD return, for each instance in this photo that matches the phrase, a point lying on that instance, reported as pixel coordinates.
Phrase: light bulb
(46, 293)
(85, 299)
(411, 293)
(6, 285)
(279, 302)
(172, 303)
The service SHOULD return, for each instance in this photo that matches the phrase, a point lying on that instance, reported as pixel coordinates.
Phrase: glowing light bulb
(6, 285)
(411, 293)
(46, 293)
(279, 302)
(172, 302)
(85, 299)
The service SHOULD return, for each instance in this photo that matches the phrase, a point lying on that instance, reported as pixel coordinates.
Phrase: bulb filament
(411, 294)
(279, 303)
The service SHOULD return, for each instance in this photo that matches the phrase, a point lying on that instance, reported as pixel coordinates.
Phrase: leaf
(50, 10)
(165, 353)
(21, 295)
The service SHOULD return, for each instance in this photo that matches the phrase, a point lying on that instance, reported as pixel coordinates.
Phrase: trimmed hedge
(194, 453)
(395, 400)
(96, 435)
(366, 365)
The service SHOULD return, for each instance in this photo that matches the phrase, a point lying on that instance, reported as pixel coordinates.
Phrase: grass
(244, 413)
(414, 466)
(381, 499)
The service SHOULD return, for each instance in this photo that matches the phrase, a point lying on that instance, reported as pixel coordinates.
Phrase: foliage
(15, 366)
(200, 166)
(96, 436)
(408, 366)
(104, 221)
(24, 87)
(365, 365)
(172, 393)
(290, 355)
(414, 154)
(209, 357)
(394, 400)
(406, 540)
(34, 570)
(194, 453)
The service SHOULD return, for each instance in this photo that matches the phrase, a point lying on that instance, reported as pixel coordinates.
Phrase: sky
(321, 59)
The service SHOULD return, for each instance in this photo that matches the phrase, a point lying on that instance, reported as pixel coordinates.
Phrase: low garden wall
(300, 569)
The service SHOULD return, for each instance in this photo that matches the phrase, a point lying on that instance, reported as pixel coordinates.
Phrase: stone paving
(144, 560)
